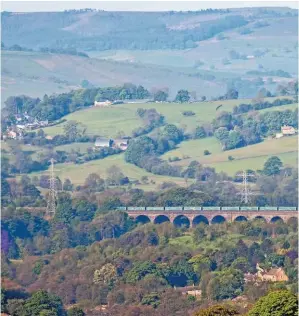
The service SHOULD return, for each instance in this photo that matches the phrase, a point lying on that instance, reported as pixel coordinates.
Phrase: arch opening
(240, 218)
(161, 219)
(181, 221)
(218, 219)
(200, 219)
(276, 219)
(142, 219)
(260, 218)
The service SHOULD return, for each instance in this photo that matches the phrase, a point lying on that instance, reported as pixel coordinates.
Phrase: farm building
(103, 142)
(288, 130)
(120, 143)
(102, 103)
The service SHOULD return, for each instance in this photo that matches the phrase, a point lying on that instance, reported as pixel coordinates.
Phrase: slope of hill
(100, 30)
(203, 51)
(250, 157)
(34, 74)
(122, 117)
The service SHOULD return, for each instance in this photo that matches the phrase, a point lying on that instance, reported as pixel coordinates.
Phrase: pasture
(110, 121)
(78, 173)
(250, 157)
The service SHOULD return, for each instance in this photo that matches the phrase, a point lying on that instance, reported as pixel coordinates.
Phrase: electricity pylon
(246, 192)
(52, 197)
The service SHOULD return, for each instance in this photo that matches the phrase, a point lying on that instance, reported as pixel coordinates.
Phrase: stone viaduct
(191, 218)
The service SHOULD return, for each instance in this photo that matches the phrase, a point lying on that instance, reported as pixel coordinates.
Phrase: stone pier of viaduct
(192, 218)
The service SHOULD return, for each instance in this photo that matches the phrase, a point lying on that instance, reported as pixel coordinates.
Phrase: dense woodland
(92, 255)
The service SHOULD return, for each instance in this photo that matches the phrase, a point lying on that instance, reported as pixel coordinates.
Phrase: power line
(246, 192)
(52, 197)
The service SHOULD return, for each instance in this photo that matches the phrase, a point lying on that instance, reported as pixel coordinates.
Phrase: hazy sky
(30, 6)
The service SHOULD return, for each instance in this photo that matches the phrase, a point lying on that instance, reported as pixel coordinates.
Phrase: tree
(142, 93)
(182, 96)
(85, 210)
(140, 270)
(171, 132)
(222, 134)
(75, 311)
(67, 185)
(73, 130)
(106, 275)
(272, 166)
(42, 303)
(232, 94)
(139, 148)
(217, 310)
(94, 182)
(200, 132)
(160, 96)
(64, 211)
(278, 303)
(115, 176)
(227, 283)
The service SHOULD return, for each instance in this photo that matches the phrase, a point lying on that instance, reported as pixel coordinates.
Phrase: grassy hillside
(78, 173)
(250, 157)
(34, 74)
(122, 117)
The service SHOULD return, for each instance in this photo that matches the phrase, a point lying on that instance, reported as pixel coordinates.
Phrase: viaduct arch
(193, 218)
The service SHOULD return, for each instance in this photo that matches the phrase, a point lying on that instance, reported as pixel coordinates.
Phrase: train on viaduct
(191, 216)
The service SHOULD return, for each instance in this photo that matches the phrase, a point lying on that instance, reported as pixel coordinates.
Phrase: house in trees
(273, 275)
(102, 104)
(190, 290)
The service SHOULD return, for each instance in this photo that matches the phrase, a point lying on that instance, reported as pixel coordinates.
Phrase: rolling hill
(178, 50)
(109, 122)
(36, 73)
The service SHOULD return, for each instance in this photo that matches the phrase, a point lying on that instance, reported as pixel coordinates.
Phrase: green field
(78, 173)
(250, 157)
(122, 118)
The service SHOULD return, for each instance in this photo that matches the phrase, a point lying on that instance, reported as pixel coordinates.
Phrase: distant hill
(35, 74)
(203, 51)
(99, 30)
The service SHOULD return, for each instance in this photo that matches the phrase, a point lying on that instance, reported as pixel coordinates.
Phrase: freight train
(209, 208)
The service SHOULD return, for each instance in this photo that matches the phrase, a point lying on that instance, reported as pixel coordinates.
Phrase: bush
(171, 159)
(206, 152)
(188, 113)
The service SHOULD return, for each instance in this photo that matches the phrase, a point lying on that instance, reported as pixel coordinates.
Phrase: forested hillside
(202, 51)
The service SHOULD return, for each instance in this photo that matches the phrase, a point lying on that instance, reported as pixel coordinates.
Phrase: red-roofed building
(288, 130)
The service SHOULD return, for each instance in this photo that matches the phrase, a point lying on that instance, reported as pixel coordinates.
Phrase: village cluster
(23, 122)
